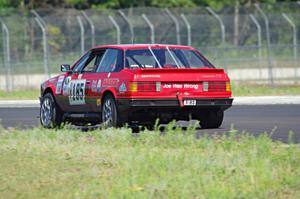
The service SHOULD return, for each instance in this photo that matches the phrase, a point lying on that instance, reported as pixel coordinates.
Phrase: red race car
(136, 84)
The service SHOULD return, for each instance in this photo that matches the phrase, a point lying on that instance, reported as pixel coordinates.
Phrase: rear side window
(140, 59)
(111, 61)
(192, 59)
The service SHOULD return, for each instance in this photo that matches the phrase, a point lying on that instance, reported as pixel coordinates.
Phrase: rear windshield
(164, 58)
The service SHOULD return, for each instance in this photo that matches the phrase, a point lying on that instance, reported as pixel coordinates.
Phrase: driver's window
(90, 64)
(81, 62)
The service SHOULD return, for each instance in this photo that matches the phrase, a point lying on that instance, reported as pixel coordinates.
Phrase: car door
(62, 95)
(106, 76)
(77, 84)
(93, 79)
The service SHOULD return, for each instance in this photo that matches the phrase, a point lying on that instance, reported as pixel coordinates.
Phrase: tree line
(117, 4)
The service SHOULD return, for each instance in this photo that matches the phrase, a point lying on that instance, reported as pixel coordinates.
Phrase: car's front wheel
(50, 113)
(211, 119)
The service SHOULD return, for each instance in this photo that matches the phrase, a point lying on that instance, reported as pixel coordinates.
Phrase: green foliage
(57, 38)
(173, 3)
(82, 4)
(4, 3)
(114, 163)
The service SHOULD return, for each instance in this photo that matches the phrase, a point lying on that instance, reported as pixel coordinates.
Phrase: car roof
(139, 46)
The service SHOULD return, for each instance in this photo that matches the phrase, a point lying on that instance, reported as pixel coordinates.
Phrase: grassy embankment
(238, 90)
(114, 163)
(28, 94)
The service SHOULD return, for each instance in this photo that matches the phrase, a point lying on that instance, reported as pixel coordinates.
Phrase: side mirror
(65, 68)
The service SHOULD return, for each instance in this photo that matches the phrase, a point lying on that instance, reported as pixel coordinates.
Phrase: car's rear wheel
(50, 113)
(211, 119)
(109, 112)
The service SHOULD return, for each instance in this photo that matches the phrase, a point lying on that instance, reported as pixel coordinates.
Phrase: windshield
(164, 58)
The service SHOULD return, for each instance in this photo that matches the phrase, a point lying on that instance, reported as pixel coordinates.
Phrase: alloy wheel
(46, 112)
(108, 113)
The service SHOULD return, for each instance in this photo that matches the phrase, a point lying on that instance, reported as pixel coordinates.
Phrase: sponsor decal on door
(110, 82)
(59, 84)
(94, 86)
(99, 86)
(66, 86)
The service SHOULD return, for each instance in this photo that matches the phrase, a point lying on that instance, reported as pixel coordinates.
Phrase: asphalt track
(277, 120)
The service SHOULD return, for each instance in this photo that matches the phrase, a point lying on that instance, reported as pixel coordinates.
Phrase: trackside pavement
(257, 100)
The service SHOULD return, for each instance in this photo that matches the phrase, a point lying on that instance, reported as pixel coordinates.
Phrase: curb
(266, 100)
(19, 103)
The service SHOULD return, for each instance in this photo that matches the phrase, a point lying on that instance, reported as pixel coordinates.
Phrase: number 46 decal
(77, 92)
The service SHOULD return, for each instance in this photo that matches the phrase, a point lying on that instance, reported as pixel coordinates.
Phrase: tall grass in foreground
(115, 163)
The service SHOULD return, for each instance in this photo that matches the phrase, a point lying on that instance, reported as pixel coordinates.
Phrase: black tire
(110, 117)
(211, 119)
(50, 113)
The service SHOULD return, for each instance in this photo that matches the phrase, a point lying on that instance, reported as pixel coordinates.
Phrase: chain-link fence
(257, 43)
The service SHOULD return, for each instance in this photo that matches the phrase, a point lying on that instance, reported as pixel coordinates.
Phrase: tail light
(216, 86)
(228, 87)
(133, 86)
(144, 86)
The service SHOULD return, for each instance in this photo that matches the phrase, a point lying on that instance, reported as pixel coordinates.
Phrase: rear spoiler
(179, 70)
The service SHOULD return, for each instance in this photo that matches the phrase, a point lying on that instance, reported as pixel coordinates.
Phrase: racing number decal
(77, 92)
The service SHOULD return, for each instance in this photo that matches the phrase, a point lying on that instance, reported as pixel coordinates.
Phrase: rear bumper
(223, 103)
(166, 109)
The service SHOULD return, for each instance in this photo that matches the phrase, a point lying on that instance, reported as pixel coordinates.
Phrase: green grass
(114, 163)
(263, 90)
(26, 94)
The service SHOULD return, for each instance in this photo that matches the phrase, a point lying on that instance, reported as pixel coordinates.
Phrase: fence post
(43, 26)
(188, 29)
(295, 46)
(174, 19)
(222, 26)
(6, 54)
(91, 25)
(269, 51)
(116, 25)
(259, 42)
(39, 17)
(81, 33)
(151, 28)
(129, 24)
(223, 32)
